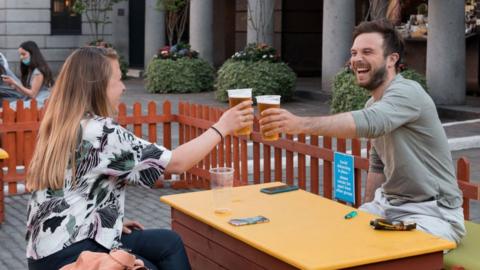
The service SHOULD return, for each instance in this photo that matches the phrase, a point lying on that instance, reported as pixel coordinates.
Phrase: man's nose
(356, 58)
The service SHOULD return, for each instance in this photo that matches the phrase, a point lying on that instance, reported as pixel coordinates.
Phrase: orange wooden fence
(286, 159)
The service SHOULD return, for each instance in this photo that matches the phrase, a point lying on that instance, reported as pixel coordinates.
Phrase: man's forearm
(339, 125)
(374, 181)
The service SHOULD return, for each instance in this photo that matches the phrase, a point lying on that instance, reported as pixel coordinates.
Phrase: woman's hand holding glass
(235, 118)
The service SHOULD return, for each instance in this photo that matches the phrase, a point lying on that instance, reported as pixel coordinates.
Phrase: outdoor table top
(306, 230)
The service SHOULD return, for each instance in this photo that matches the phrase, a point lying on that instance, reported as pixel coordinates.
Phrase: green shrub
(415, 76)
(348, 96)
(123, 66)
(184, 75)
(264, 77)
(258, 67)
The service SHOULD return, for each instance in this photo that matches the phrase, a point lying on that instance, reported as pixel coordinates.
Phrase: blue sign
(344, 177)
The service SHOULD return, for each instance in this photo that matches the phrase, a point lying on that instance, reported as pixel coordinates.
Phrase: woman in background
(36, 77)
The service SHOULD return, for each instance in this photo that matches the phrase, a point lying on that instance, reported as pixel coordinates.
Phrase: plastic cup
(267, 102)
(221, 184)
(236, 96)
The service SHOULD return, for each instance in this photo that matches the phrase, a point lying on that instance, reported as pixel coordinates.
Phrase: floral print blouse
(107, 159)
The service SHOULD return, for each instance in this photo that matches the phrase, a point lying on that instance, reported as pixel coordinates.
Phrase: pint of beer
(236, 96)
(267, 102)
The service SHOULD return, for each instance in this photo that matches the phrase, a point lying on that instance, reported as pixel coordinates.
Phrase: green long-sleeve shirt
(409, 145)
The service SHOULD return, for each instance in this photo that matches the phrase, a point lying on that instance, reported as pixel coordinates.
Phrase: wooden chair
(465, 256)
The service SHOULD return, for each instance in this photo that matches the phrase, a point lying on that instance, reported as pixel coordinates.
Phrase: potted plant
(178, 69)
(258, 67)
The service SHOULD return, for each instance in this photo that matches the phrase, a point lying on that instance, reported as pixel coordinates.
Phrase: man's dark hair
(392, 41)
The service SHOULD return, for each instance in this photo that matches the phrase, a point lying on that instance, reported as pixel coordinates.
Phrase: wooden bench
(466, 255)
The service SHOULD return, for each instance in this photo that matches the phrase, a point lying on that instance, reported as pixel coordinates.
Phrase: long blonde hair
(81, 88)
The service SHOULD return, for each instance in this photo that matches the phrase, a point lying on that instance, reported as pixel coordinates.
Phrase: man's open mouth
(361, 68)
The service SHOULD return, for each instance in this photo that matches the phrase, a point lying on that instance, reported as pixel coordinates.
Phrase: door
(136, 24)
(302, 36)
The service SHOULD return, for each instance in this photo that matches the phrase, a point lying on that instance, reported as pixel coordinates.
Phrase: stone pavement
(144, 205)
(141, 204)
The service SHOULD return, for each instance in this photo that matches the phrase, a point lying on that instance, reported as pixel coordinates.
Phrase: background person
(6, 91)
(411, 174)
(84, 160)
(36, 77)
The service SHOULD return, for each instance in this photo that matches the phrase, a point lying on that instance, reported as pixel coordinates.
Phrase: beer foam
(268, 99)
(240, 93)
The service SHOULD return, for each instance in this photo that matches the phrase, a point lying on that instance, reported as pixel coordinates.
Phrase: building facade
(313, 37)
(49, 23)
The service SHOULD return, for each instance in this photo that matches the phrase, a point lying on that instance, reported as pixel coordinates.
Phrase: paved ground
(144, 205)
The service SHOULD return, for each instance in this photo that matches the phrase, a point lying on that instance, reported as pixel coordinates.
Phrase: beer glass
(267, 102)
(221, 184)
(236, 96)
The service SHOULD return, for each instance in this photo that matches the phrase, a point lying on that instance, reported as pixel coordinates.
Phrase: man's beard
(377, 79)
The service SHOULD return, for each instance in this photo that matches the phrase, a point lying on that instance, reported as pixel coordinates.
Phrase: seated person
(6, 91)
(411, 175)
(36, 76)
(84, 160)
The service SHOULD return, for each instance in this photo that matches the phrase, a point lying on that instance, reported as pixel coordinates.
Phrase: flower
(257, 52)
(176, 51)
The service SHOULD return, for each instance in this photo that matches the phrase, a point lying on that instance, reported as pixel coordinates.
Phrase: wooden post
(289, 163)
(327, 170)
(314, 167)
(463, 174)
(301, 165)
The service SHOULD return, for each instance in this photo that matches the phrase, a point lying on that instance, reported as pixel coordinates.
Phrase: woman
(36, 77)
(83, 161)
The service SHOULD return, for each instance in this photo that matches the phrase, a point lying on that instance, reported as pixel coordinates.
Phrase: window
(64, 20)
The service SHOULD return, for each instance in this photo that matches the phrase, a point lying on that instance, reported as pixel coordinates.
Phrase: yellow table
(305, 231)
(3, 154)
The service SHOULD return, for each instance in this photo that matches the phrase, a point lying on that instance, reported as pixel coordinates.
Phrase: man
(411, 174)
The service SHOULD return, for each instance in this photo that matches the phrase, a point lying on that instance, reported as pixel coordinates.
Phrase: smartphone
(248, 220)
(278, 189)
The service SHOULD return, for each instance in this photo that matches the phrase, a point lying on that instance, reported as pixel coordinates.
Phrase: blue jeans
(159, 249)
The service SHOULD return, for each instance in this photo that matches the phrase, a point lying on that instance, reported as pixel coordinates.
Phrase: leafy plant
(422, 9)
(183, 75)
(264, 77)
(176, 17)
(348, 96)
(415, 76)
(97, 13)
